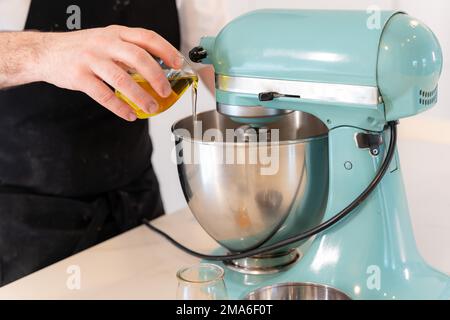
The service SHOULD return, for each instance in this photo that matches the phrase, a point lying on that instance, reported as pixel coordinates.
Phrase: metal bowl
(266, 191)
(297, 291)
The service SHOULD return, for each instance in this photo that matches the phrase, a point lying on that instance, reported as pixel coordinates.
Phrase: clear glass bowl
(201, 282)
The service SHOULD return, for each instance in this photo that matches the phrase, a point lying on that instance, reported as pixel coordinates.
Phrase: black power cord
(319, 228)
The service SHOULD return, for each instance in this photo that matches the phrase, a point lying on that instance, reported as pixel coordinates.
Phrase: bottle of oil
(180, 80)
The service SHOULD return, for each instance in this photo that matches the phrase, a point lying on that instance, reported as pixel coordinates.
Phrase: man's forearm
(19, 57)
(90, 60)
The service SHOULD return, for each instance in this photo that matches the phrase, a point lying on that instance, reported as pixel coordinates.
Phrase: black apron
(72, 174)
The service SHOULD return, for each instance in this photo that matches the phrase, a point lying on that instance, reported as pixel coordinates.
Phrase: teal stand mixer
(334, 86)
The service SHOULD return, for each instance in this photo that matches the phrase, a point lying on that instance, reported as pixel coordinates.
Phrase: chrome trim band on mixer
(329, 92)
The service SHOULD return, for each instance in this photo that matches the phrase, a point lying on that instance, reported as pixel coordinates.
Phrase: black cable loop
(304, 235)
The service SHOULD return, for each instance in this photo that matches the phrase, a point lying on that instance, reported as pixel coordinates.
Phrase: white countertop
(140, 264)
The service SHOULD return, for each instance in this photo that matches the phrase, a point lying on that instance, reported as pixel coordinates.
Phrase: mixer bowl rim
(271, 143)
(321, 135)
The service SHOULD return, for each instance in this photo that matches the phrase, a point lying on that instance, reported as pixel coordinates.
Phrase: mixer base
(265, 264)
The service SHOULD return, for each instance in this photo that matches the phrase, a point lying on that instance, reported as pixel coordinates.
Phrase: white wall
(424, 143)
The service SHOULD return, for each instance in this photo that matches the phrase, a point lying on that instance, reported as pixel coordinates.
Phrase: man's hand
(84, 60)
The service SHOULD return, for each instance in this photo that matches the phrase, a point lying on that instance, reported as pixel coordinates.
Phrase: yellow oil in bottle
(179, 85)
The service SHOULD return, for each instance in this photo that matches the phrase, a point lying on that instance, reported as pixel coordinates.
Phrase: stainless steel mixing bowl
(297, 291)
(245, 204)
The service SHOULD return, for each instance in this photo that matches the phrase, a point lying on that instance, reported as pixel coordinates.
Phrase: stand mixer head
(326, 63)
(295, 69)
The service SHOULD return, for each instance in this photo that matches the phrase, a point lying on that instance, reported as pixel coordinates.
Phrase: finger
(102, 94)
(155, 44)
(140, 60)
(120, 80)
